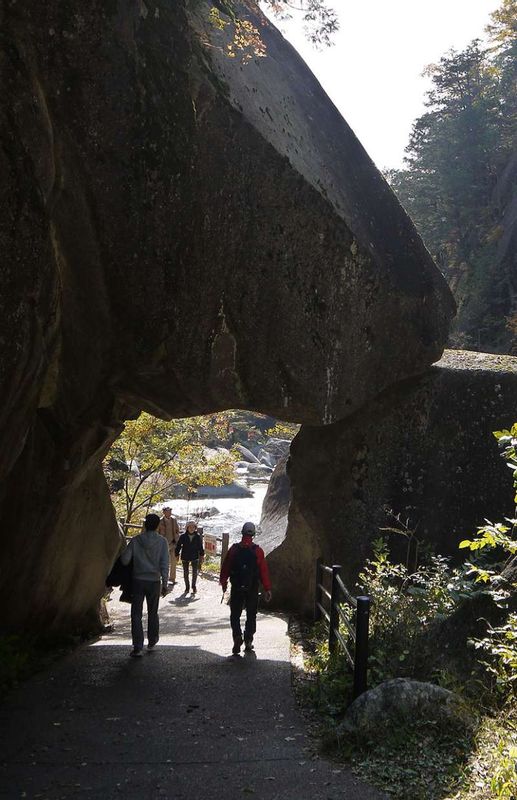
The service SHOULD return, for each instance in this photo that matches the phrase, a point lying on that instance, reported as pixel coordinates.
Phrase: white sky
(373, 73)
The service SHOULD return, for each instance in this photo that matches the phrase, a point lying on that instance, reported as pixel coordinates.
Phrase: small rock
(402, 701)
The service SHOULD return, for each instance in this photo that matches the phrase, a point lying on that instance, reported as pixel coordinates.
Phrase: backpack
(244, 574)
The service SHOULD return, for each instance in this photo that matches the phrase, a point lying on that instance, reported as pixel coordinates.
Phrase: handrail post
(317, 592)
(334, 616)
(224, 546)
(361, 646)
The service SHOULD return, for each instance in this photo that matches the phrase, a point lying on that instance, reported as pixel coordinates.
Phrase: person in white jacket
(150, 556)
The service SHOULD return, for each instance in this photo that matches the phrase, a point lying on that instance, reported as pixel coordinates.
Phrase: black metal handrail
(358, 635)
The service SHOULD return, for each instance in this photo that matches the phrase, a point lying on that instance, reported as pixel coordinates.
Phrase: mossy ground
(422, 761)
(23, 655)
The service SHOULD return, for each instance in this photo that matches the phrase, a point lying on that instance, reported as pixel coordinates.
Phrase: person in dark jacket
(190, 550)
(245, 566)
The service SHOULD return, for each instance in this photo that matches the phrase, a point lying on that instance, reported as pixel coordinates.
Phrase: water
(232, 513)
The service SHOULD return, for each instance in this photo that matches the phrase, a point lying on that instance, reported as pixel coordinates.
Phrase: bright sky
(373, 73)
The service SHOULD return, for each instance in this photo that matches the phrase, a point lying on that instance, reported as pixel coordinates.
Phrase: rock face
(423, 449)
(275, 509)
(402, 702)
(157, 200)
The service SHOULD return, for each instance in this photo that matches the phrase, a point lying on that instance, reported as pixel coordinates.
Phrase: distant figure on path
(150, 556)
(170, 531)
(190, 550)
(245, 565)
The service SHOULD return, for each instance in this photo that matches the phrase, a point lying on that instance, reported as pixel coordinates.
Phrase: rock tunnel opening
(182, 255)
(215, 467)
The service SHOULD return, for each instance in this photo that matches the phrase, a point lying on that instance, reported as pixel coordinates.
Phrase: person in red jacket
(245, 566)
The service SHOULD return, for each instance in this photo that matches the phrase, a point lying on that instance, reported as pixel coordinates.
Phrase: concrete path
(188, 721)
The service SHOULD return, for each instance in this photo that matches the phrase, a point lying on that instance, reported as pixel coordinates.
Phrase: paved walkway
(187, 721)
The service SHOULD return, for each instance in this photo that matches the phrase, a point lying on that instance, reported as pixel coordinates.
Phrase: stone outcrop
(423, 450)
(157, 201)
(399, 703)
(275, 510)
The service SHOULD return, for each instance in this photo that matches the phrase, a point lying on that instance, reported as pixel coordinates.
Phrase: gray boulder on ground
(402, 702)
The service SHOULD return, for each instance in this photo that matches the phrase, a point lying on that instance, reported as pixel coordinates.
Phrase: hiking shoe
(136, 653)
(236, 647)
(248, 647)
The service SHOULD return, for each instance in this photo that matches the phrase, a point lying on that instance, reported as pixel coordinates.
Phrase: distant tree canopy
(459, 149)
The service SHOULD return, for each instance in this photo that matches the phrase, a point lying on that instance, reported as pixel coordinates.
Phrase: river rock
(157, 199)
(247, 455)
(259, 469)
(266, 458)
(402, 702)
(234, 489)
(272, 451)
(208, 512)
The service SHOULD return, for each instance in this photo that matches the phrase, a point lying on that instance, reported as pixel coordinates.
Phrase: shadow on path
(186, 721)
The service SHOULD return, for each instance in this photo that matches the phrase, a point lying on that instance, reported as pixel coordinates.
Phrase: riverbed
(231, 512)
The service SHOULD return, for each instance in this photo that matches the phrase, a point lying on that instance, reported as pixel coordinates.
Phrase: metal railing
(356, 653)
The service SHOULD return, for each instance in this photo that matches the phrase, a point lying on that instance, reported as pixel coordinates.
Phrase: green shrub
(404, 605)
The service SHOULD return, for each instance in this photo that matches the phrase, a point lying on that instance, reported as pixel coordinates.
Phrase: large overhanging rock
(181, 233)
(423, 451)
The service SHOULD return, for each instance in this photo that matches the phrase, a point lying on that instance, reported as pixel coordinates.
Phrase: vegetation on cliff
(320, 19)
(457, 180)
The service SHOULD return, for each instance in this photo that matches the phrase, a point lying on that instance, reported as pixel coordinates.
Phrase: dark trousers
(195, 565)
(244, 599)
(151, 590)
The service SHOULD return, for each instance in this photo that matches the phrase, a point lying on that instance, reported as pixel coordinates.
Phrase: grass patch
(212, 565)
(491, 771)
(421, 761)
(417, 762)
